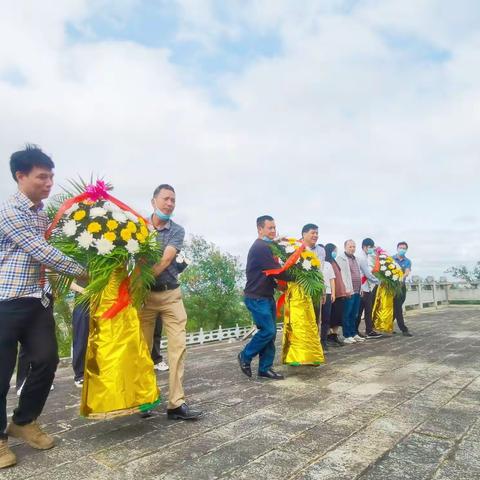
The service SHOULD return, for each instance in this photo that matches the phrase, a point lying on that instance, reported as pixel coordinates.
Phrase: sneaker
(161, 366)
(7, 457)
(79, 383)
(32, 434)
(373, 334)
(358, 338)
(349, 340)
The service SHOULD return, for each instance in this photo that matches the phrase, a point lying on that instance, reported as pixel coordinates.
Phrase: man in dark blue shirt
(406, 266)
(259, 300)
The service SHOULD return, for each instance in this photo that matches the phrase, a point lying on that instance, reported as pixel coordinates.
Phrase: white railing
(419, 295)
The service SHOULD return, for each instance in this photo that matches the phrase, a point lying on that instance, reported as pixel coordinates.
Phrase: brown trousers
(169, 305)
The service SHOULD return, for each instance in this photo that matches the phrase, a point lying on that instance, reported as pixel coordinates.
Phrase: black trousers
(367, 301)
(398, 302)
(157, 338)
(28, 322)
(326, 313)
(80, 329)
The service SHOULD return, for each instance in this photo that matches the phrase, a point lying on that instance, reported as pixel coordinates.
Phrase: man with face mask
(399, 300)
(369, 286)
(259, 300)
(165, 299)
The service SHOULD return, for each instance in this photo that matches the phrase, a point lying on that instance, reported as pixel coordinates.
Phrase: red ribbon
(290, 262)
(121, 302)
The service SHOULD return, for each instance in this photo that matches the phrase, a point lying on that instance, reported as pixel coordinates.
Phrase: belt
(163, 287)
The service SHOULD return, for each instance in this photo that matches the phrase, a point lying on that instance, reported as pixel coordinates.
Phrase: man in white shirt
(369, 286)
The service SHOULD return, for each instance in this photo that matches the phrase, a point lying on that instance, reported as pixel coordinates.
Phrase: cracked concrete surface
(394, 408)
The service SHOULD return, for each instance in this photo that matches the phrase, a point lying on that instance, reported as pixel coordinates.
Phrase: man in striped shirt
(26, 310)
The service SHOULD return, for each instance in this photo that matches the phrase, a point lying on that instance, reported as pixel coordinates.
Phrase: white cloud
(341, 128)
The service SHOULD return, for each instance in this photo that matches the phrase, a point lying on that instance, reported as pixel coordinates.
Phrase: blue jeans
(350, 313)
(264, 313)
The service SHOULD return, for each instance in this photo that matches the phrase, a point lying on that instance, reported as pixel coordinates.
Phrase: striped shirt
(23, 249)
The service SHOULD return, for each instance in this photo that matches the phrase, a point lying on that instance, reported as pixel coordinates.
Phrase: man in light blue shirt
(406, 266)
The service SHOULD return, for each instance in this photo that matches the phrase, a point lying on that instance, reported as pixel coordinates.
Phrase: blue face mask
(370, 250)
(266, 239)
(401, 252)
(161, 215)
(334, 255)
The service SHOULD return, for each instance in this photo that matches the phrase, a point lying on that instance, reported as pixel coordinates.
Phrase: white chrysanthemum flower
(97, 212)
(119, 216)
(111, 207)
(283, 243)
(290, 249)
(104, 246)
(307, 265)
(382, 262)
(131, 216)
(70, 228)
(388, 273)
(72, 209)
(395, 277)
(132, 246)
(382, 256)
(383, 268)
(85, 239)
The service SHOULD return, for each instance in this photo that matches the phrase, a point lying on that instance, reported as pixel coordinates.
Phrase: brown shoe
(7, 457)
(32, 434)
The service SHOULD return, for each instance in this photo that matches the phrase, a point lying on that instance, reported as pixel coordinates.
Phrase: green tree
(212, 287)
(463, 273)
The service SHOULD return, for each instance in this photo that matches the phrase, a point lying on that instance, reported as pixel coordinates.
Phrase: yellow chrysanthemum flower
(79, 215)
(94, 227)
(292, 241)
(131, 227)
(141, 221)
(112, 224)
(315, 262)
(141, 238)
(110, 236)
(144, 231)
(126, 234)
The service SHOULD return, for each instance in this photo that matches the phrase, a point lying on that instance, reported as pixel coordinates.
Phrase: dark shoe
(183, 412)
(324, 346)
(406, 333)
(244, 366)
(373, 334)
(271, 374)
(338, 342)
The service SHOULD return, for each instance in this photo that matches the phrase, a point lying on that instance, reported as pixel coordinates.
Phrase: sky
(362, 116)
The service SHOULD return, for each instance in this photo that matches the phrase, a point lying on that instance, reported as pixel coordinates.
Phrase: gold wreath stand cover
(301, 341)
(383, 310)
(119, 378)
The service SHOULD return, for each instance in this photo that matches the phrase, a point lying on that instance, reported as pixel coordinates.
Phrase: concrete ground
(394, 408)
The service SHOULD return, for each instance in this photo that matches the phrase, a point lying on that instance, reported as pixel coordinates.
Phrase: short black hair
(309, 226)
(402, 243)
(163, 186)
(28, 158)
(264, 218)
(368, 242)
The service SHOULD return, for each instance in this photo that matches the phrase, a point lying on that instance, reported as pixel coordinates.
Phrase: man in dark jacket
(259, 300)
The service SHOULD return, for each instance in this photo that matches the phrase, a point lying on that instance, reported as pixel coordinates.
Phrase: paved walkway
(395, 408)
